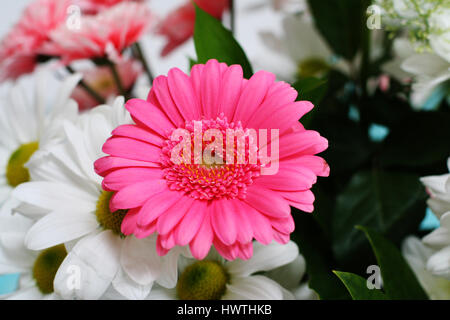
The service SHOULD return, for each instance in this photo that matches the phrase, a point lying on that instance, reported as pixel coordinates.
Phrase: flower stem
(233, 16)
(117, 79)
(140, 54)
(87, 88)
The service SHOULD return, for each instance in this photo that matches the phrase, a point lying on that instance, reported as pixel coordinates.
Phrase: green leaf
(357, 286)
(311, 89)
(391, 203)
(399, 281)
(419, 139)
(341, 23)
(213, 41)
(316, 249)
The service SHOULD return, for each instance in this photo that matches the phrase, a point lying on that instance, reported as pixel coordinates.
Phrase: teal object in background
(8, 283)
(430, 222)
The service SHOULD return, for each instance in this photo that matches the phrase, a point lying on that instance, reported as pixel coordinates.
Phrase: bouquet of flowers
(202, 183)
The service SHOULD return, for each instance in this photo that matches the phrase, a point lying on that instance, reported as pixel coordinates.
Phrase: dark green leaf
(419, 139)
(391, 203)
(399, 281)
(316, 250)
(311, 89)
(357, 286)
(341, 23)
(213, 41)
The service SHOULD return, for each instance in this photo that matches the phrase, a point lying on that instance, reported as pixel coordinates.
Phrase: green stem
(140, 54)
(117, 79)
(87, 88)
(233, 16)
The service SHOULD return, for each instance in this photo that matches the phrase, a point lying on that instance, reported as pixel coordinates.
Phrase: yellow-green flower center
(46, 266)
(312, 67)
(107, 219)
(203, 280)
(16, 173)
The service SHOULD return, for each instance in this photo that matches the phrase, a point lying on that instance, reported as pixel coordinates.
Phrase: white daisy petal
(140, 260)
(265, 258)
(253, 288)
(130, 289)
(59, 227)
(89, 268)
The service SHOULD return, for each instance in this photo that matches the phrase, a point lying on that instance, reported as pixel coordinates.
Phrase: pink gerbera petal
(228, 203)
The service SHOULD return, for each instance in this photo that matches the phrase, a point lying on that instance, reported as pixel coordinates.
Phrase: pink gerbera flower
(178, 26)
(102, 81)
(95, 6)
(21, 48)
(225, 205)
(104, 35)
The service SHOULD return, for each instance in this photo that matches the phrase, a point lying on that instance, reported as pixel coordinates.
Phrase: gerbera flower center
(203, 280)
(107, 219)
(16, 172)
(205, 178)
(312, 67)
(46, 266)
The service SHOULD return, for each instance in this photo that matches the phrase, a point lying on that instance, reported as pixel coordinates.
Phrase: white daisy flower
(301, 48)
(73, 209)
(214, 278)
(29, 123)
(37, 269)
(418, 256)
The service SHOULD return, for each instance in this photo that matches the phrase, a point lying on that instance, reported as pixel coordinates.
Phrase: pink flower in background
(95, 6)
(202, 205)
(104, 35)
(178, 26)
(102, 81)
(20, 49)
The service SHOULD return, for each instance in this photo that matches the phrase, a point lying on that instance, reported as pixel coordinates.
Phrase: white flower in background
(427, 57)
(67, 199)
(439, 239)
(284, 5)
(429, 72)
(430, 258)
(214, 278)
(30, 121)
(299, 52)
(37, 269)
(440, 38)
(418, 256)
(439, 189)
